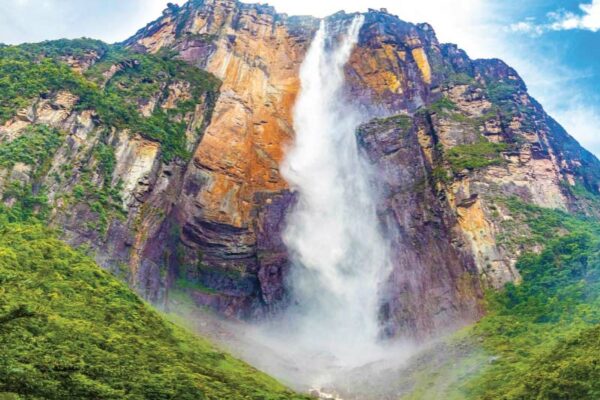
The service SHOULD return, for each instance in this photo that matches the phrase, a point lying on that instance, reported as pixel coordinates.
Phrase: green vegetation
(475, 155)
(540, 338)
(533, 225)
(144, 76)
(440, 174)
(460, 78)
(588, 200)
(105, 155)
(34, 147)
(183, 283)
(69, 330)
(104, 200)
(66, 48)
(33, 70)
(568, 371)
(500, 92)
(27, 204)
(98, 191)
(442, 106)
(556, 307)
(404, 122)
(25, 75)
(446, 108)
(581, 191)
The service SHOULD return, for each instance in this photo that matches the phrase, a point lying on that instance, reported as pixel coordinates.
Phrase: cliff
(167, 153)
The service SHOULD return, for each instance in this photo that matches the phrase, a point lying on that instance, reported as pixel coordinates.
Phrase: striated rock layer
(441, 219)
(451, 138)
(234, 198)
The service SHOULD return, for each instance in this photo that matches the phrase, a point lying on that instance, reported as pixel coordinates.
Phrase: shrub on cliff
(32, 70)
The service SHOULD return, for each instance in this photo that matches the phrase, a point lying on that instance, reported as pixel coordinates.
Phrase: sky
(553, 44)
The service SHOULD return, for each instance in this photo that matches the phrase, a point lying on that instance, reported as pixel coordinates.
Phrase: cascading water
(338, 253)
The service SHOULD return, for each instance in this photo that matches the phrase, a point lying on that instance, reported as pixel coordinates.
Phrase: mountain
(537, 338)
(162, 156)
(461, 134)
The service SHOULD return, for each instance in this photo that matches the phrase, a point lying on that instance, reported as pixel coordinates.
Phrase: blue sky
(553, 44)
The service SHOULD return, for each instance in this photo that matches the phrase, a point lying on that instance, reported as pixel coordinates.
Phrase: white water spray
(339, 255)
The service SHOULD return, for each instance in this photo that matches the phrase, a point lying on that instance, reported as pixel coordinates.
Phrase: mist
(339, 256)
(338, 253)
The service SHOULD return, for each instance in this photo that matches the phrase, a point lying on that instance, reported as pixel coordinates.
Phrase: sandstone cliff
(451, 137)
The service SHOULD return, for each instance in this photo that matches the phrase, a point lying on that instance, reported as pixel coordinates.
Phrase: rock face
(108, 182)
(434, 284)
(231, 208)
(450, 136)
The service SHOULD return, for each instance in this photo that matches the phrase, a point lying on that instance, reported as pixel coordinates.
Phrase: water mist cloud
(339, 256)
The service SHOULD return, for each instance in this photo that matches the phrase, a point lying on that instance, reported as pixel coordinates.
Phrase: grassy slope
(68, 329)
(540, 339)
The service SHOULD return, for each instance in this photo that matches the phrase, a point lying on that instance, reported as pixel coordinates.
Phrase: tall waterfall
(339, 256)
(338, 253)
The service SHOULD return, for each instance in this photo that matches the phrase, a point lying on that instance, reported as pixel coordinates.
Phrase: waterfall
(338, 253)
(339, 257)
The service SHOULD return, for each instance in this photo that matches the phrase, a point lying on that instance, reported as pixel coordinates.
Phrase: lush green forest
(540, 339)
(544, 332)
(69, 330)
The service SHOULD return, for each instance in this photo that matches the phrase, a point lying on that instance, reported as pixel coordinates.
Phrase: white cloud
(109, 20)
(589, 20)
(527, 26)
(561, 20)
(457, 21)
